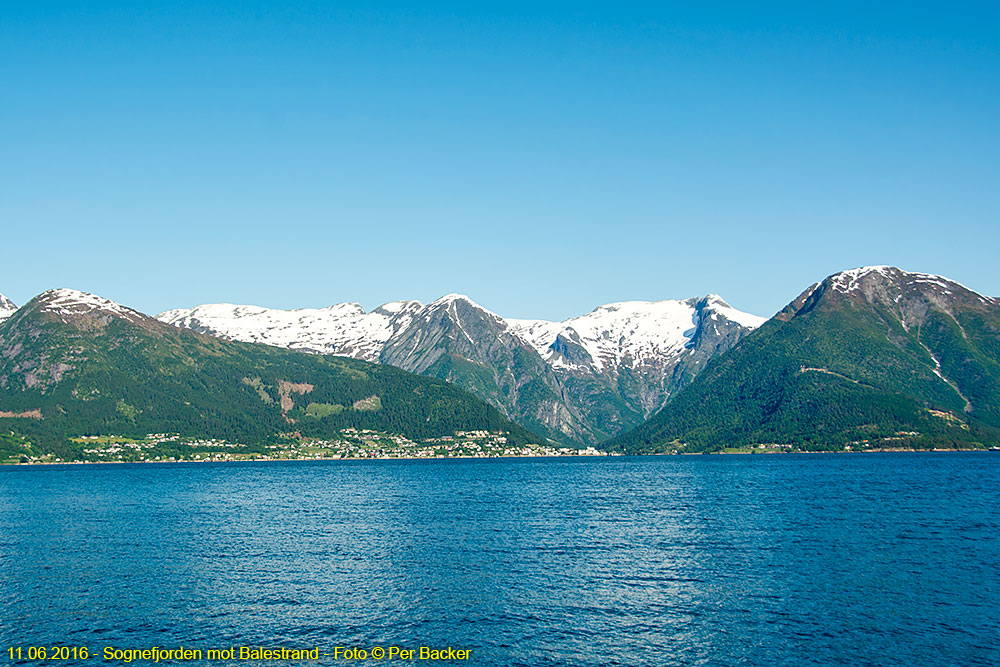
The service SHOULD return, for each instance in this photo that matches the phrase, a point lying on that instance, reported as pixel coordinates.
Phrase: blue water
(864, 559)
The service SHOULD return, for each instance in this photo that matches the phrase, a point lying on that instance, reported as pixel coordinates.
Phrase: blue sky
(542, 158)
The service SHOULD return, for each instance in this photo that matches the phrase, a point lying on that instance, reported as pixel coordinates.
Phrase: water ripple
(792, 560)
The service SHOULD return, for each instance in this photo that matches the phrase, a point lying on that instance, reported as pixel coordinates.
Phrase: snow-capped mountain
(344, 329)
(629, 333)
(70, 305)
(585, 379)
(895, 287)
(7, 307)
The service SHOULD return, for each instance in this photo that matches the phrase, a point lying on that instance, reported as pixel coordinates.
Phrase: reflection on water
(762, 560)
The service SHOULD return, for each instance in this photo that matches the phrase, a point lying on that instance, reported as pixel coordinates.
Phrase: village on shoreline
(353, 445)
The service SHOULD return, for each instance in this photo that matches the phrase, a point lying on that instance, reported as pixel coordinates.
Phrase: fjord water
(873, 559)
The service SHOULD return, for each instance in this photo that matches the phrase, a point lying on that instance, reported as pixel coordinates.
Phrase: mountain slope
(457, 340)
(874, 354)
(581, 380)
(74, 363)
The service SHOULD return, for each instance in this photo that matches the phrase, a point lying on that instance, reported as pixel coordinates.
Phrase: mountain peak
(453, 300)
(394, 307)
(714, 305)
(852, 278)
(879, 282)
(346, 309)
(6, 304)
(70, 304)
(454, 296)
(908, 294)
(7, 307)
(709, 301)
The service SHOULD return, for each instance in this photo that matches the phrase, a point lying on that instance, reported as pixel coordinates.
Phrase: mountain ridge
(583, 379)
(866, 355)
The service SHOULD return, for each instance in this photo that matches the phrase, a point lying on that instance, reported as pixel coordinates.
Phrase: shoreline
(488, 458)
(331, 460)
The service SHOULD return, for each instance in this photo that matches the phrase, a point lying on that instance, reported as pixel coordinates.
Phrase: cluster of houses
(367, 444)
(120, 450)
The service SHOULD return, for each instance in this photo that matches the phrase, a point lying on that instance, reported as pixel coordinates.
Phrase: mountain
(7, 307)
(875, 356)
(343, 329)
(73, 363)
(457, 340)
(582, 380)
(654, 348)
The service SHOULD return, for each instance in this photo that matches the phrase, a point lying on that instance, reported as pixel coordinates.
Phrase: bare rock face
(582, 380)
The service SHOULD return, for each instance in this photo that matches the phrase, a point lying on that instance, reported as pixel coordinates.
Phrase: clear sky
(543, 158)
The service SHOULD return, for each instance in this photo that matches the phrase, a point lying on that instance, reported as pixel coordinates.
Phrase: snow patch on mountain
(720, 307)
(69, 302)
(851, 280)
(629, 333)
(344, 329)
(451, 301)
(7, 308)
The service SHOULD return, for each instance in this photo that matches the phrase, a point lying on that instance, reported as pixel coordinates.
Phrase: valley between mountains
(871, 358)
